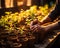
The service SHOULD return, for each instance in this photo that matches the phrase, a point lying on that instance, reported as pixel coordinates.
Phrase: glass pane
(28, 2)
(8, 3)
(19, 2)
(11, 3)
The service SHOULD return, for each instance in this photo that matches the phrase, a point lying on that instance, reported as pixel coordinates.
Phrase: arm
(53, 26)
(54, 14)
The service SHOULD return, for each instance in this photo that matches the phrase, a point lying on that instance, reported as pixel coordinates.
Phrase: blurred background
(17, 5)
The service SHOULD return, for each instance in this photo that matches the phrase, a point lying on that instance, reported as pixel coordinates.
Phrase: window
(28, 2)
(20, 2)
(8, 3)
(14, 3)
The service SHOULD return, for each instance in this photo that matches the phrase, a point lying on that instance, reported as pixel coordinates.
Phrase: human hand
(35, 26)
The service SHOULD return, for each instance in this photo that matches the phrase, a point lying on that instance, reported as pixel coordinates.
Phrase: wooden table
(49, 40)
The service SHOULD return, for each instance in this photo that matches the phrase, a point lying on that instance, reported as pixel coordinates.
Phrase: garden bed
(15, 27)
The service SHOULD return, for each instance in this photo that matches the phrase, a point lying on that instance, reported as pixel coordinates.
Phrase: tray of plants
(15, 27)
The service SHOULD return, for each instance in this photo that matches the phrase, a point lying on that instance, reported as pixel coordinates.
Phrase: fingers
(35, 28)
(35, 25)
(31, 27)
(34, 22)
(31, 24)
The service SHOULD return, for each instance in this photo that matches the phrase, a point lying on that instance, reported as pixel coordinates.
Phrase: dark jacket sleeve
(56, 12)
(59, 22)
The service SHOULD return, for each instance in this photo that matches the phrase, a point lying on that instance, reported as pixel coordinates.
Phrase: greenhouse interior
(29, 23)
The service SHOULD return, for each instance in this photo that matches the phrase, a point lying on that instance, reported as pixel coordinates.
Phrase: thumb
(35, 21)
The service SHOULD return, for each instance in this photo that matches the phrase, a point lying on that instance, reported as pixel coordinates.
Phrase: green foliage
(12, 21)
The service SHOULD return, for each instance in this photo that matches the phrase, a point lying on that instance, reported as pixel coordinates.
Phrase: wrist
(52, 26)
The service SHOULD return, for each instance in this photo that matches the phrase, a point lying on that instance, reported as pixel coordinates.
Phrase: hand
(38, 29)
(35, 26)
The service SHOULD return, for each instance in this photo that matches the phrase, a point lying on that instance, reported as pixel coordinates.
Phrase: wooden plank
(48, 40)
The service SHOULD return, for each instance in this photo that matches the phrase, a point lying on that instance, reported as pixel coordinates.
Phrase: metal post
(3, 3)
(15, 3)
(0, 4)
